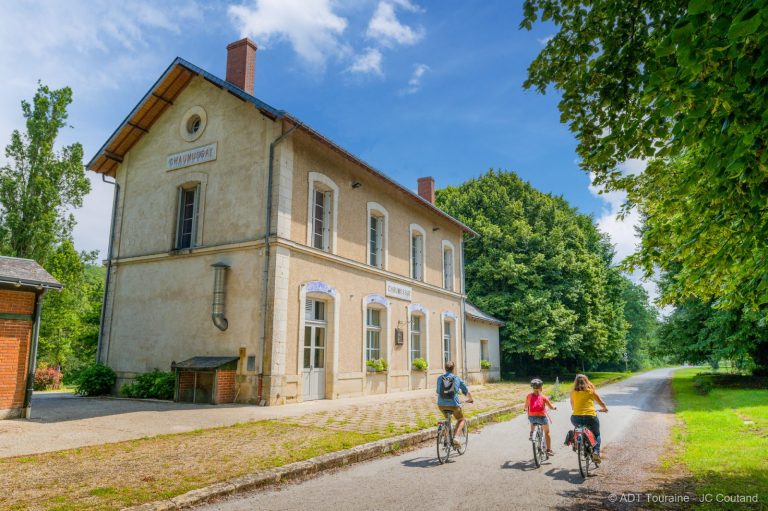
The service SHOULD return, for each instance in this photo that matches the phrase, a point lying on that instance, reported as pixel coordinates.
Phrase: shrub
(485, 364)
(154, 385)
(420, 364)
(378, 365)
(95, 380)
(47, 378)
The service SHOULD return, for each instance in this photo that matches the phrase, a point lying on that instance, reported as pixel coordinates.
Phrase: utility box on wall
(205, 380)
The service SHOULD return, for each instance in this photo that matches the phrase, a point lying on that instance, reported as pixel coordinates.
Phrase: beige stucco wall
(234, 184)
(352, 283)
(352, 229)
(476, 331)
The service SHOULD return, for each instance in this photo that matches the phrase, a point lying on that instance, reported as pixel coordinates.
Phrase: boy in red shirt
(535, 405)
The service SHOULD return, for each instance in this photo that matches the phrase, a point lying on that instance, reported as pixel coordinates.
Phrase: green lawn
(724, 439)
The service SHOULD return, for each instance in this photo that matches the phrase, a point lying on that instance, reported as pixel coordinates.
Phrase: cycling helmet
(536, 383)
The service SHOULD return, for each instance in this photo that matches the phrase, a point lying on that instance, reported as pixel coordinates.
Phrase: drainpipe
(33, 355)
(267, 235)
(99, 346)
(463, 309)
(217, 312)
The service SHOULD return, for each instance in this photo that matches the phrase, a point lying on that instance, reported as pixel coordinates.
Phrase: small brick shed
(23, 283)
(209, 380)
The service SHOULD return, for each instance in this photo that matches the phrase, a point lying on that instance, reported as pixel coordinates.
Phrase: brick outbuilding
(23, 283)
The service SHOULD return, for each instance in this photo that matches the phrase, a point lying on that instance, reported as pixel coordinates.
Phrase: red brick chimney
(427, 188)
(241, 64)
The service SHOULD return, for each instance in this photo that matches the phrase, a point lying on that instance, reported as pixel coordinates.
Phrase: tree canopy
(681, 85)
(541, 267)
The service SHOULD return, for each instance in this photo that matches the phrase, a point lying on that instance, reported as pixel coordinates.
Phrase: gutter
(99, 345)
(463, 311)
(267, 235)
(33, 356)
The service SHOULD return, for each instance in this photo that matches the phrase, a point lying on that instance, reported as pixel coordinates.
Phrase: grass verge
(724, 439)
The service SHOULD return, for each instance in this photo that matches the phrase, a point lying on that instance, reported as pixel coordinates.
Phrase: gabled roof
(26, 273)
(473, 312)
(168, 87)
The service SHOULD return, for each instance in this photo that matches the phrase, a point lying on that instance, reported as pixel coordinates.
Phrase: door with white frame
(313, 351)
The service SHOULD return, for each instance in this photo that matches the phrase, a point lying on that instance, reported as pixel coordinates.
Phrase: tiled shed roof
(26, 273)
(475, 313)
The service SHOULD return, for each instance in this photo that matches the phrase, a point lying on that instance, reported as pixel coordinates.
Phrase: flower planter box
(418, 379)
(376, 382)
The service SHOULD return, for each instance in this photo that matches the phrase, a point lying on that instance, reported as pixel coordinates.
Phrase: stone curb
(308, 467)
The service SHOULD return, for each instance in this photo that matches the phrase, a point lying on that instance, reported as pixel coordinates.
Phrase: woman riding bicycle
(583, 399)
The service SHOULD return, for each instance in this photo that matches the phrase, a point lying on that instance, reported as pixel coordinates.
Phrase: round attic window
(193, 124)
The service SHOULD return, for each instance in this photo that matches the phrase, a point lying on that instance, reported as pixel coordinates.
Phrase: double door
(313, 356)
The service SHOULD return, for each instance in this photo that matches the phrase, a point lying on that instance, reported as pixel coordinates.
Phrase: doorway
(313, 356)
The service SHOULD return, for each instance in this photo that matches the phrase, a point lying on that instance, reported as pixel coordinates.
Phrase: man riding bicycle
(448, 387)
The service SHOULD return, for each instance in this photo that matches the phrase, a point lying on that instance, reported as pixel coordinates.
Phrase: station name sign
(192, 157)
(395, 290)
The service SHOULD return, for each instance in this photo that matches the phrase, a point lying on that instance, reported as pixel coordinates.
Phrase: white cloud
(544, 40)
(367, 62)
(414, 83)
(623, 232)
(386, 29)
(311, 26)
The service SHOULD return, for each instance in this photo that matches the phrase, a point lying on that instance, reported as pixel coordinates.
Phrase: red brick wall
(15, 336)
(225, 387)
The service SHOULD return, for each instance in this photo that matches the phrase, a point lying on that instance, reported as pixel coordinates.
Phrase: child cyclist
(535, 405)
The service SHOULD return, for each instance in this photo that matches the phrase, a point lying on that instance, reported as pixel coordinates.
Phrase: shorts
(538, 419)
(458, 415)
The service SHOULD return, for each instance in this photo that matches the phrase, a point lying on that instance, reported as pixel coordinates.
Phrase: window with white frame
(322, 212)
(417, 252)
(484, 349)
(416, 329)
(321, 218)
(376, 240)
(186, 219)
(448, 266)
(373, 334)
(447, 339)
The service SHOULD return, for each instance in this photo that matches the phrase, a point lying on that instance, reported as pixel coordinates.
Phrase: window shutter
(327, 221)
(179, 216)
(420, 257)
(195, 214)
(380, 242)
(308, 309)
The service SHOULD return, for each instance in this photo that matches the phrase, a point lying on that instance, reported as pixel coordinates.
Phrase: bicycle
(583, 448)
(539, 446)
(445, 438)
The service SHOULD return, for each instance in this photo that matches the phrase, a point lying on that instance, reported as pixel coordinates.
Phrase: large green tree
(541, 267)
(40, 184)
(681, 85)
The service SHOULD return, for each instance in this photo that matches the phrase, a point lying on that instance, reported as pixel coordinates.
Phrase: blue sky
(413, 87)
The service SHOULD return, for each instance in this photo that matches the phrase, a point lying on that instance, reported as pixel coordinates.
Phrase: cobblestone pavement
(406, 415)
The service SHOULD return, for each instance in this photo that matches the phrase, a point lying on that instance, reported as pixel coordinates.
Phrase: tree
(643, 319)
(681, 85)
(542, 268)
(40, 184)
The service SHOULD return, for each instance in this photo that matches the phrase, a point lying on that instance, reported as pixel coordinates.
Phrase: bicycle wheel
(443, 444)
(584, 456)
(463, 439)
(535, 445)
(543, 456)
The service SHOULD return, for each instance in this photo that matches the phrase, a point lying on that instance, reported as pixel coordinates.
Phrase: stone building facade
(320, 269)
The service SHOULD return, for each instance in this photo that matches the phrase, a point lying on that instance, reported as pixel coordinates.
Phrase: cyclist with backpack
(583, 399)
(448, 387)
(536, 405)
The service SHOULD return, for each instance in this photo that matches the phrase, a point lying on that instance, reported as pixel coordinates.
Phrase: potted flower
(419, 364)
(377, 365)
(485, 365)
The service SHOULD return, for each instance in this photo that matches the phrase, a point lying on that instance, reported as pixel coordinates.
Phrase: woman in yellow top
(583, 399)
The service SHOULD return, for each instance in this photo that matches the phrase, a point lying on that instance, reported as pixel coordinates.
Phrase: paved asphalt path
(497, 471)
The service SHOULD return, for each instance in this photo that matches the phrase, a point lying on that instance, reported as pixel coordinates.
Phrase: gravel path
(497, 471)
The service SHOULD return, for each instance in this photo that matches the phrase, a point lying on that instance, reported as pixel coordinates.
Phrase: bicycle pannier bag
(590, 437)
(447, 387)
(569, 438)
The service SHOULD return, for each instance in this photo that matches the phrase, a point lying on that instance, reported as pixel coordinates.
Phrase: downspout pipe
(33, 355)
(463, 310)
(267, 252)
(99, 345)
(219, 296)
